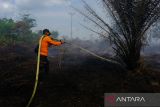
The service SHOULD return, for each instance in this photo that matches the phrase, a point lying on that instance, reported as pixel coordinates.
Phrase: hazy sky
(52, 14)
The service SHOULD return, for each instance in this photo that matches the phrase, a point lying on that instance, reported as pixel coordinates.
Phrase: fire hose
(37, 74)
(38, 64)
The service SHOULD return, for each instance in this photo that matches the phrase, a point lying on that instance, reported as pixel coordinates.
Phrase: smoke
(151, 49)
(73, 54)
(153, 46)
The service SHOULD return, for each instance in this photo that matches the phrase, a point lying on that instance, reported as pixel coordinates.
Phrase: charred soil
(79, 80)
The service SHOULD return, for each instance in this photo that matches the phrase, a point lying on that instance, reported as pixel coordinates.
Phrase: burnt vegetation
(75, 78)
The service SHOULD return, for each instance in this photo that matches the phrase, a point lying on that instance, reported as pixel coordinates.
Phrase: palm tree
(132, 19)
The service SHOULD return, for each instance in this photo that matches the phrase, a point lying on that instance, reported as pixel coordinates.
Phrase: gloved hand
(62, 41)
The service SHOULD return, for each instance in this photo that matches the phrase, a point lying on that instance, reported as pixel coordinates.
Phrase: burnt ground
(79, 81)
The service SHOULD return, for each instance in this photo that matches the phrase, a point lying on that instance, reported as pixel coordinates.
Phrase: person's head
(46, 32)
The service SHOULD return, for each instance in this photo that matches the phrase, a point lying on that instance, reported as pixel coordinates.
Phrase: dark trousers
(45, 63)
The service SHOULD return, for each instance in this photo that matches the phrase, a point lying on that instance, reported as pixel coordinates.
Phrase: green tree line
(12, 32)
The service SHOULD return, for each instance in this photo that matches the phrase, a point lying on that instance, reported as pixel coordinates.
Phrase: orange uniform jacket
(46, 41)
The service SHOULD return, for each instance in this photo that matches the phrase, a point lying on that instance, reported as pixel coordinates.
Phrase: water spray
(93, 54)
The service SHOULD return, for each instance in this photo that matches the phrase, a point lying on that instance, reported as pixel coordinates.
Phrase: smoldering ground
(76, 78)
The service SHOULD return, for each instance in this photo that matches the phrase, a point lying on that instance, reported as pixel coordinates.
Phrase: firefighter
(46, 42)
